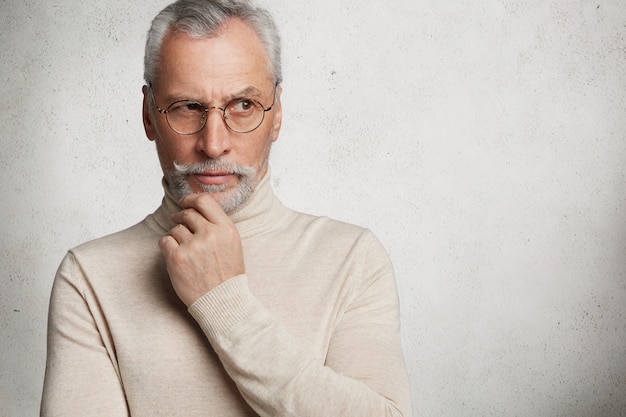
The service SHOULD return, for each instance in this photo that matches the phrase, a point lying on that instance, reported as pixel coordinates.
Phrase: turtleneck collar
(260, 212)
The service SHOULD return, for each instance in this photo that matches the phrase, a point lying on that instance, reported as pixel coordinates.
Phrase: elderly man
(223, 302)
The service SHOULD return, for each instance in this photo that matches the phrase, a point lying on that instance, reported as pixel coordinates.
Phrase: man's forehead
(236, 48)
(233, 28)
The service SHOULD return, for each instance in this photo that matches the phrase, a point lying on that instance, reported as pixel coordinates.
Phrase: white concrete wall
(482, 141)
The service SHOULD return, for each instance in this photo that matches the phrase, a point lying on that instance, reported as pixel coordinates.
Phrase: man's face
(213, 71)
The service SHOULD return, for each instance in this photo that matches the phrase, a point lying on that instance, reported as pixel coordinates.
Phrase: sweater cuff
(226, 305)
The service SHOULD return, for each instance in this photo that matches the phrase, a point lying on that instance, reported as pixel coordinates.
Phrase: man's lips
(214, 178)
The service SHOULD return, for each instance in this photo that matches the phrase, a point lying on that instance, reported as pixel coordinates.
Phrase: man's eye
(241, 106)
(193, 107)
(187, 107)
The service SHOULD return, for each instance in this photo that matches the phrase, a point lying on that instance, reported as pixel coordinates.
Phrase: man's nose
(215, 138)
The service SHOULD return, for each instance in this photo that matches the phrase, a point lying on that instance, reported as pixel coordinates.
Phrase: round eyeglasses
(241, 115)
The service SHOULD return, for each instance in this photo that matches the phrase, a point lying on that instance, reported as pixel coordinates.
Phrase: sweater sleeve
(81, 379)
(364, 374)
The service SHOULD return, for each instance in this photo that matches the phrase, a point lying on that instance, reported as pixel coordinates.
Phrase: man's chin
(213, 189)
(228, 197)
(232, 199)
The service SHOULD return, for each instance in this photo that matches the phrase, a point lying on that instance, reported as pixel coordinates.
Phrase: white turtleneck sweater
(311, 329)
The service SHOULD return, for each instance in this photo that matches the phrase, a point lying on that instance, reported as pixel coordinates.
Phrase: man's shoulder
(115, 266)
(130, 241)
(331, 229)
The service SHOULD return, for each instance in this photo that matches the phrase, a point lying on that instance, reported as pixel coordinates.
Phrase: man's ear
(148, 123)
(278, 114)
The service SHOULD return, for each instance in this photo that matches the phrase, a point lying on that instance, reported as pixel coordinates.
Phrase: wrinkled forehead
(233, 48)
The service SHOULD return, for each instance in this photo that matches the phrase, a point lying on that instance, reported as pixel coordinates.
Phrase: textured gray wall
(482, 141)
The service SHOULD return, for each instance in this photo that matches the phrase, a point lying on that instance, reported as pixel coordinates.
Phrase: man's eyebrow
(250, 92)
(246, 92)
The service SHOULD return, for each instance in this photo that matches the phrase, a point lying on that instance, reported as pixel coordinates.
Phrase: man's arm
(81, 378)
(364, 373)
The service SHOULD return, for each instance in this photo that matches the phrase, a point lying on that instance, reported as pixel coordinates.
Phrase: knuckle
(233, 233)
(204, 198)
(177, 257)
(163, 242)
(195, 245)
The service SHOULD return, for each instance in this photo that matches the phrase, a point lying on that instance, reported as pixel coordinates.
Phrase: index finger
(206, 205)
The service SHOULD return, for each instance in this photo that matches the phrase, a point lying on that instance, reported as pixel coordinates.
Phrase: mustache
(214, 165)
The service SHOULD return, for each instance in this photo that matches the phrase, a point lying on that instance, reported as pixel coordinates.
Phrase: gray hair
(202, 19)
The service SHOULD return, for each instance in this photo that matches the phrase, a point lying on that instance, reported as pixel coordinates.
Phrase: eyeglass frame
(207, 109)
